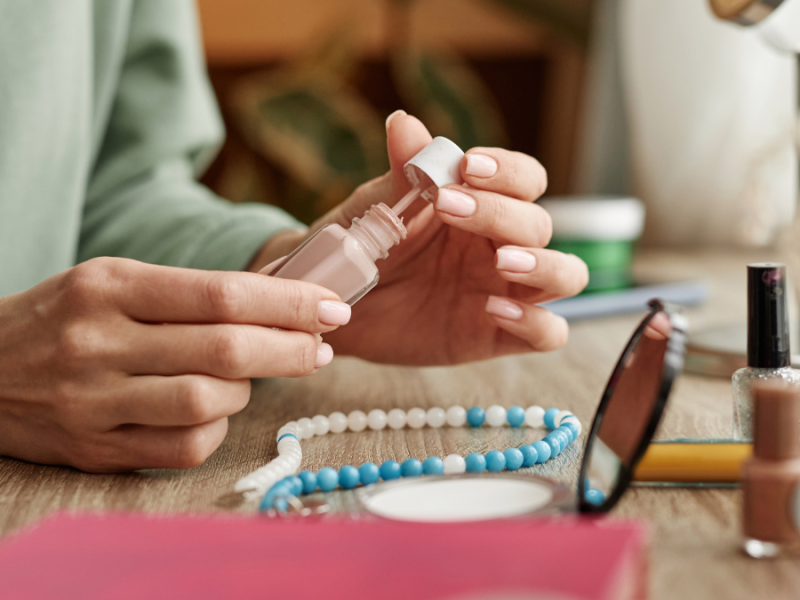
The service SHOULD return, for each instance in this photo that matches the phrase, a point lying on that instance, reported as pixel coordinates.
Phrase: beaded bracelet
(279, 473)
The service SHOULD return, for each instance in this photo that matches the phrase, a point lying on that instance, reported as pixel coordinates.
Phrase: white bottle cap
(435, 166)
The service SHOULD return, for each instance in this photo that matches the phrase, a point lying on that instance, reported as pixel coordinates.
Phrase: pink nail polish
(331, 312)
(505, 309)
(480, 165)
(455, 203)
(324, 355)
(517, 261)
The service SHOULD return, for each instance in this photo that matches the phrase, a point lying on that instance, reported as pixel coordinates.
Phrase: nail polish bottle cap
(776, 420)
(767, 317)
(436, 165)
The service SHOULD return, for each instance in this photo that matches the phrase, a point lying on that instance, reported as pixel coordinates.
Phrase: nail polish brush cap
(436, 165)
(767, 317)
(776, 420)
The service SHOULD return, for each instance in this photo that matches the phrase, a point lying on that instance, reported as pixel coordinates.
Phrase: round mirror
(631, 407)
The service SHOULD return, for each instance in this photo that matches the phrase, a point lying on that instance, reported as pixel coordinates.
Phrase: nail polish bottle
(768, 355)
(343, 260)
(771, 477)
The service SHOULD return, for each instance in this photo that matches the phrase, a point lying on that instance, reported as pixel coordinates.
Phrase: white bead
(454, 463)
(286, 444)
(290, 427)
(357, 421)
(376, 419)
(338, 422)
(396, 418)
(321, 425)
(247, 483)
(495, 416)
(456, 416)
(306, 428)
(574, 420)
(416, 418)
(560, 416)
(435, 417)
(534, 416)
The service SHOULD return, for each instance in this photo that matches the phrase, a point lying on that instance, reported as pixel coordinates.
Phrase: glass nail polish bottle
(768, 355)
(343, 260)
(771, 477)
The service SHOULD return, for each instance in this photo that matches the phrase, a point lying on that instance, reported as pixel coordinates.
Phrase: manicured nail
(392, 116)
(331, 312)
(324, 355)
(505, 309)
(480, 165)
(455, 203)
(517, 261)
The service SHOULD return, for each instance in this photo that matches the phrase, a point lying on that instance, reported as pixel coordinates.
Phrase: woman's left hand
(466, 283)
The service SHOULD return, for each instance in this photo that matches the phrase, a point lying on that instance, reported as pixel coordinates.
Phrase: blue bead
(309, 481)
(568, 432)
(281, 504)
(476, 463)
(287, 435)
(476, 416)
(529, 455)
(411, 467)
(562, 436)
(433, 465)
(514, 459)
(296, 486)
(495, 461)
(572, 428)
(348, 477)
(554, 443)
(327, 479)
(515, 416)
(586, 484)
(369, 473)
(390, 470)
(549, 415)
(543, 450)
(594, 496)
(282, 488)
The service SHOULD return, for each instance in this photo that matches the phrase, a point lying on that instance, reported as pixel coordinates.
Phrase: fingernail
(480, 165)
(505, 309)
(392, 116)
(324, 355)
(331, 312)
(517, 261)
(455, 203)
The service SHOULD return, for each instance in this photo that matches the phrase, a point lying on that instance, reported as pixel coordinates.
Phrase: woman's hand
(116, 365)
(466, 282)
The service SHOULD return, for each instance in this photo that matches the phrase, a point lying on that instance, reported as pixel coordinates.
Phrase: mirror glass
(462, 498)
(629, 411)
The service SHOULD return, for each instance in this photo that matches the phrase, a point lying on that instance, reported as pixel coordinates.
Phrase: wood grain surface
(694, 533)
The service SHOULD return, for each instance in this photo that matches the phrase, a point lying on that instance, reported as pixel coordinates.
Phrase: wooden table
(694, 551)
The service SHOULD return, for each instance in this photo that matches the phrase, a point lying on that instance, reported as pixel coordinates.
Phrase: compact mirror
(626, 419)
(631, 407)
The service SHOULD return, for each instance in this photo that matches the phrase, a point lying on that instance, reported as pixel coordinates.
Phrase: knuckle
(545, 228)
(195, 401)
(77, 343)
(305, 356)
(495, 215)
(230, 350)
(193, 447)
(86, 281)
(224, 295)
(299, 305)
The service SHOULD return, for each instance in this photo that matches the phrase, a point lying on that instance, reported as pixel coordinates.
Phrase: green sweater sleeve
(163, 126)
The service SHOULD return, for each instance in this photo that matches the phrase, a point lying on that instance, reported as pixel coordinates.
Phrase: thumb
(405, 136)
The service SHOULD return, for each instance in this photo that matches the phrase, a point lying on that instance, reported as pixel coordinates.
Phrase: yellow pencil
(693, 462)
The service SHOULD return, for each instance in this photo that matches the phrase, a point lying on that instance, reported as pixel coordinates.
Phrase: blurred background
(660, 101)
(305, 87)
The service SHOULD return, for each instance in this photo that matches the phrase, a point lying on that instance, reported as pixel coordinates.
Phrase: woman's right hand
(117, 365)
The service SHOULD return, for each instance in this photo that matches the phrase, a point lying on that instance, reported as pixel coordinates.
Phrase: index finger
(505, 172)
(157, 294)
